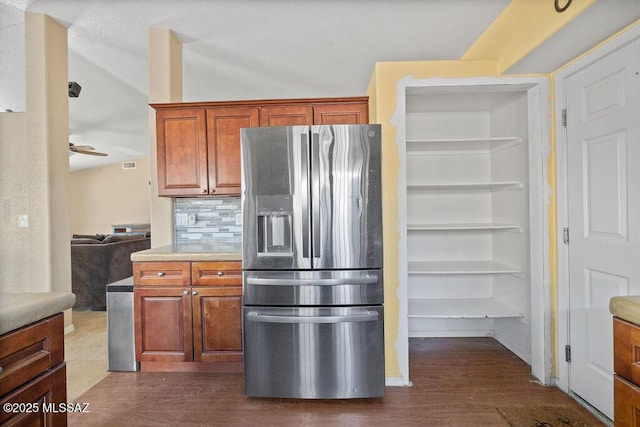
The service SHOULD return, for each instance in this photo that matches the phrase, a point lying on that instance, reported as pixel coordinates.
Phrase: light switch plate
(23, 221)
(182, 219)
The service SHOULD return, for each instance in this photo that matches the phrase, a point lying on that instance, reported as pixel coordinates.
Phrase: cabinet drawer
(216, 273)
(30, 351)
(49, 389)
(161, 273)
(626, 403)
(626, 354)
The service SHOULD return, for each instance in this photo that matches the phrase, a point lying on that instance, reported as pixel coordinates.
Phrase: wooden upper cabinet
(286, 115)
(182, 152)
(199, 142)
(341, 114)
(223, 139)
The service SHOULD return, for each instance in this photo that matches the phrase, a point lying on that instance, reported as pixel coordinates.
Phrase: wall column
(46, 177)
(165, 85)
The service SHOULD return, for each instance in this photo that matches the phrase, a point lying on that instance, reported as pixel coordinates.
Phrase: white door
(603, 140)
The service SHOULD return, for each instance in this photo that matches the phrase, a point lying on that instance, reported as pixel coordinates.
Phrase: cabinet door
(182, 152)
(163, 324)
(49, 389)
(341, 114)
(223, 136)
(286, 115)
(217, 324)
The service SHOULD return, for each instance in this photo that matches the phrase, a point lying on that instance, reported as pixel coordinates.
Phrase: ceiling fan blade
(80, 147)
(85, 149)
(91, 153)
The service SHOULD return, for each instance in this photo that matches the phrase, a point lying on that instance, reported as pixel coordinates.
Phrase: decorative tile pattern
(207, 220)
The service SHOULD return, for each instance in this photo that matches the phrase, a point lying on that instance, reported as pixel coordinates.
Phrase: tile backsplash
(207, 220)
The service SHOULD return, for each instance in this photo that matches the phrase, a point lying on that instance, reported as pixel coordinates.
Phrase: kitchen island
(32, 366)
(188, 307)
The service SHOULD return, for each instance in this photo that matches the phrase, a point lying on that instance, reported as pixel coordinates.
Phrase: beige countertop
(626, 308)
(20, 309)
(191, 252)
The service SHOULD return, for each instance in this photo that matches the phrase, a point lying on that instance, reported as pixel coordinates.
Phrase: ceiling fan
(84, 149)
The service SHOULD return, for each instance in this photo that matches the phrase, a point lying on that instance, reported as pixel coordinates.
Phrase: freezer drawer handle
(306, 282)
(266, 318)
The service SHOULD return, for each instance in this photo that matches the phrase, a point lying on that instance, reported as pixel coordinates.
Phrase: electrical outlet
(238, 219)
(192, 219)
(23, 221)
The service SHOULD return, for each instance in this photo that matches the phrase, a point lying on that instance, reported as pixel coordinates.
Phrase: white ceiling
(253, 49)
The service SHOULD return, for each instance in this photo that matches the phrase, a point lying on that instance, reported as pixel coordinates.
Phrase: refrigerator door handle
(368, 316)
(306, 243)
(368, 280)
(315, 192)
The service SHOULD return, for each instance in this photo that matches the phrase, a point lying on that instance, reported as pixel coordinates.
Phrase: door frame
(615, 42)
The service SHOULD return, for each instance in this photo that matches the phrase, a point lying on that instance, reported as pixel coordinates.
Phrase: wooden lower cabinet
(217, 320)
(44, 400)
(626, 381)
(199, 324)
(163, 324)
(627, 403)
(33, 378)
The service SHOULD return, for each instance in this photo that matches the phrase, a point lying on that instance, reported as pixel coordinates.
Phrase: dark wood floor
(456, 382)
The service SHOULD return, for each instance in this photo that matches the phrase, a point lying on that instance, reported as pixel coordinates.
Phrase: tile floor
(86, 352)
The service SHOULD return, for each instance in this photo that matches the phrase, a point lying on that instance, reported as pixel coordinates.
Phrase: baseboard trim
(397, 382)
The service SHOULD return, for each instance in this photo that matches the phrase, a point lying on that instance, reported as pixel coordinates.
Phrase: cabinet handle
(213, 190)
(186, 292)
(160, 273)
(194, 293)
(220, 273)
(204, 191)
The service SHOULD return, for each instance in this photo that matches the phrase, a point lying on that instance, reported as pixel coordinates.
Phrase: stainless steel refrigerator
(312, 258)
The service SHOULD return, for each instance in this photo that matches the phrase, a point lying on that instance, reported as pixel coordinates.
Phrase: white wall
(101, 197)
(14, 201)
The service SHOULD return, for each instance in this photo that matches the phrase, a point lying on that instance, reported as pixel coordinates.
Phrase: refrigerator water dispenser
(274, 225)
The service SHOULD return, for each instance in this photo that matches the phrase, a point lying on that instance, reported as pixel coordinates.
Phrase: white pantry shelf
(486, 186)
(460, 267)
(463, 227)
(460, 308)
(482, 145)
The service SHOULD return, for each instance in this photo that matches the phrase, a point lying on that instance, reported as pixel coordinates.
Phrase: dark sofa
(98, 260)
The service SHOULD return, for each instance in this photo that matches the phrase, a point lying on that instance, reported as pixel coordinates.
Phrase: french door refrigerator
(312, 262)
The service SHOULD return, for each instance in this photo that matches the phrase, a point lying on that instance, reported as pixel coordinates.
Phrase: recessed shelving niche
(467, 212)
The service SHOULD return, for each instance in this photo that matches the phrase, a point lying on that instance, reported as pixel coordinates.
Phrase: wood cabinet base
(47, 391)
(627, 403)
(231, 367)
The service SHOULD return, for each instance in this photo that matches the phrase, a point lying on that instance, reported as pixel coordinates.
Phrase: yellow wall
(383, 94)
(520, 28)
(109, 195)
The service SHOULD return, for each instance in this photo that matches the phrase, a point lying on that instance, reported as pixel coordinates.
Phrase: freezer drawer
(314, 352)
(313, 288)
